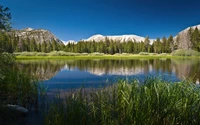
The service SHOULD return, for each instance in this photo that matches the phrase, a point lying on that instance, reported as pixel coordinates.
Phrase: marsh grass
(155, 102)
(17, 88)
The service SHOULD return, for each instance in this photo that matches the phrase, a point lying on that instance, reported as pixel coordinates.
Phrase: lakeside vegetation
(16, 88)
(153, 102)
(96, 55)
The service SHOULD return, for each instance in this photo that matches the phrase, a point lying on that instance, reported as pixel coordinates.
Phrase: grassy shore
(131, 56)
(155, 102)
(96, 55)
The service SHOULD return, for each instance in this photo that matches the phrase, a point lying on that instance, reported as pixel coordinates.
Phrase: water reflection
(64, 74)
(46, 69)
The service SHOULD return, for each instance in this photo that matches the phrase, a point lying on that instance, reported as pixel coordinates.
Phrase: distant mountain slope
(39, 35)
(184, 41)
(120, 38)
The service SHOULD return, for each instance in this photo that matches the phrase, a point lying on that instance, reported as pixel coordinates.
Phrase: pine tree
(170, 42)
(147, 44)
(195, 39)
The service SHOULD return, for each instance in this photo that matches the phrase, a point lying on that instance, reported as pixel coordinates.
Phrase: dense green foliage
(16, 86)
(12, 44)
(112, 47)
(154, 103)
(195, 39)
(5, 17)
(165, 45)
(182, 52)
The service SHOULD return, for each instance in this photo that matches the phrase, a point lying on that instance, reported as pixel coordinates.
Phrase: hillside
(185, 38)
(29, 39)
(41, 40)
(39, 35)
(119, 38)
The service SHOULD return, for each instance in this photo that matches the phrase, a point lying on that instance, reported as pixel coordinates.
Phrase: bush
(84, 54)
(25, 53)
(97, 54)
(143, 53)
(183, 52)
(41, 54)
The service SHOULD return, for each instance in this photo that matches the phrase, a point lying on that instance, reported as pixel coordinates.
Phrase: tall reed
(154, 102)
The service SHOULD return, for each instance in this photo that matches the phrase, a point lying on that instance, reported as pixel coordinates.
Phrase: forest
(11, 44)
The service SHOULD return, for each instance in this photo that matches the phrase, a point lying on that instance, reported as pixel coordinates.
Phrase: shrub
(25, 53)
(143, 53)
(41, 54)
(97, 54)
(183, 52)
(84, 53)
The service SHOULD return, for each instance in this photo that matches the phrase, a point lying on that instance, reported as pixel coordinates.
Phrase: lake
(65, 75)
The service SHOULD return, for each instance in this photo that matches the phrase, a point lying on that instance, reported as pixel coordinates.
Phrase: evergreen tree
(5, 17)
(164, 45)
(170, 42)
(43, 47)
(147, 44)
(195, 39)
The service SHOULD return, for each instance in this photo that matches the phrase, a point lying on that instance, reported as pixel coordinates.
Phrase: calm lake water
(63, 75)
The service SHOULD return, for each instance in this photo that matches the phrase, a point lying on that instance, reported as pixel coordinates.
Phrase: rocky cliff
(184, 41)
(39, 35)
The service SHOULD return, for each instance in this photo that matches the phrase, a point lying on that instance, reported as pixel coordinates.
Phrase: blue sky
(80, 19)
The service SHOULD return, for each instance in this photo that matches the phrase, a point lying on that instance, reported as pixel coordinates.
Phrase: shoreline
(130, 56)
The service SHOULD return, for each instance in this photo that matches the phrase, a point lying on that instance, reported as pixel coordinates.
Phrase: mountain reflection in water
(61, 75)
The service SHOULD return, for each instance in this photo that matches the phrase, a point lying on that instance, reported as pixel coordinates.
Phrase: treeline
(15, 44)
(164, 45)
(194, 38)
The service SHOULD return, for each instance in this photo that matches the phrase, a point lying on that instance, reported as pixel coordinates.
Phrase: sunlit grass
(154, 103)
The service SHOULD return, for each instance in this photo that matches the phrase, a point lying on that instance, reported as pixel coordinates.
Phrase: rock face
(39, 35)
(184, 38)
(120, 38)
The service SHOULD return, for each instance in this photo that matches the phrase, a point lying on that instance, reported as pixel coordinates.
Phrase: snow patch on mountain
(120, 38)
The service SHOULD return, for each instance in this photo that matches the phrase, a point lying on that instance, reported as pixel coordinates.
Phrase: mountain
(184, 38)
(120, 38)
(39, 35)
(69, 41)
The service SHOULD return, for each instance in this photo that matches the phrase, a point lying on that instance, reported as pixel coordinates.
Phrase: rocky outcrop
(17, 110)
(39, 35)
(183, 38)
(13, 115)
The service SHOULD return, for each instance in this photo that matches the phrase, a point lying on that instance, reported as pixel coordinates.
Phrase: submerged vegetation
(155, 102)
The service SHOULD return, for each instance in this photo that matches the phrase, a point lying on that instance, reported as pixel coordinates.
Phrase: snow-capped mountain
(69, 41)
(120, 38)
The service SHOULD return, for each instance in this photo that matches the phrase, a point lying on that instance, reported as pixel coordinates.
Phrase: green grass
(154, 103)
(17, 88)
(96, 55)
(56, 55)
(182, 52)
